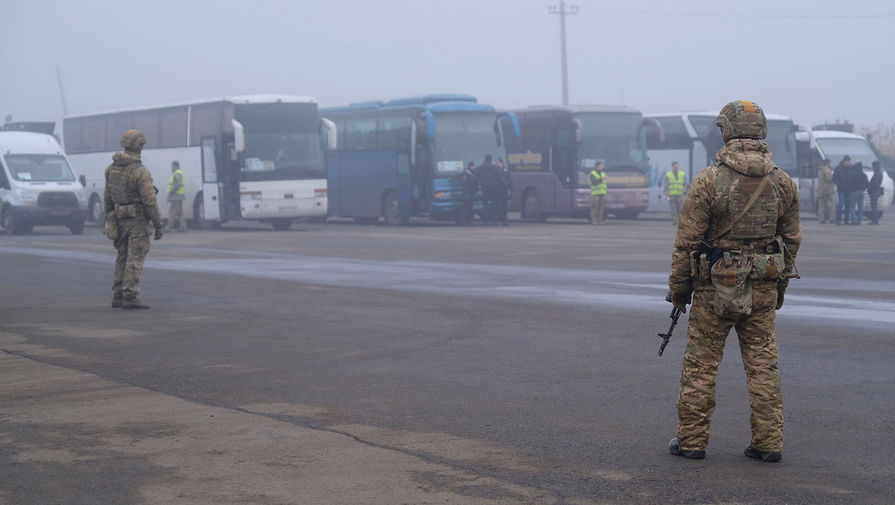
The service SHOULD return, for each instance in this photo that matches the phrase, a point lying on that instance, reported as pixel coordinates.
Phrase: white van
(37, 186)
(836, 144)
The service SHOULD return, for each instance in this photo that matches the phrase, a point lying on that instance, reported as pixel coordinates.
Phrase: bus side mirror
(330, 134)
(430, 125)
(239, 136)
(579, 136)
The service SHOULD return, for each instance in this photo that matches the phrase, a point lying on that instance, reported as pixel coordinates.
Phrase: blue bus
(402, 158)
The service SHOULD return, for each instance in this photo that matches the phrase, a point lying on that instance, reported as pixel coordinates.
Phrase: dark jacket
(857, 180)
(839, 176)
(875, 188)
(470, 182)
(489, 175)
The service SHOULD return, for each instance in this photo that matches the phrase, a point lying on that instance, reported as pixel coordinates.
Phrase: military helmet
(133, 140)
(742, 119)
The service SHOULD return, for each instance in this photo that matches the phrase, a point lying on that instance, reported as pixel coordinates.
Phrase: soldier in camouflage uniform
(736, 245)
(130, 200)
(826, 207)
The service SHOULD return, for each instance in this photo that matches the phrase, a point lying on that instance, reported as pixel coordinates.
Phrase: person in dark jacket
(470, 183)
(489, 179)
(841, 189)
(874, 191)
(506, 186)
(856, 184)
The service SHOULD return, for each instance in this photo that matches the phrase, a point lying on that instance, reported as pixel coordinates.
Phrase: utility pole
(561, 10)
(61, 91)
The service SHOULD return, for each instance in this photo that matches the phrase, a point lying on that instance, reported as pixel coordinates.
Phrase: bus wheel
(626, 214)
(390, 213)
(531, 207)
(281, 224)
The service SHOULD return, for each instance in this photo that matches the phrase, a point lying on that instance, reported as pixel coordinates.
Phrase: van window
(38, 168)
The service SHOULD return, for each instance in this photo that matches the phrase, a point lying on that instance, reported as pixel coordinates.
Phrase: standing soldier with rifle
(130, 205)
(734, 252)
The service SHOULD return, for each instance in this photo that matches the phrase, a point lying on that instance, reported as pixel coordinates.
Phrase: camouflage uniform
(717, 196)
(130, 199)
(826, 207)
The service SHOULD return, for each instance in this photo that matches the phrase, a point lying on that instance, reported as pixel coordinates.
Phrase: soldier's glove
(680, 300)
(781, 288)
(158, 232)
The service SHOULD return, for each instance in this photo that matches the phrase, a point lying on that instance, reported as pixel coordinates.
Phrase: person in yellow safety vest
(675, 186)
(598, 190)
(176, 196)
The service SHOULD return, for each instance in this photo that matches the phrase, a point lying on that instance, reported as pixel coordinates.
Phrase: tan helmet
(742, 119)
(133, 140)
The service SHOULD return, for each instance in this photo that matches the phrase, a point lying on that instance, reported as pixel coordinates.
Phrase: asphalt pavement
(427, 363)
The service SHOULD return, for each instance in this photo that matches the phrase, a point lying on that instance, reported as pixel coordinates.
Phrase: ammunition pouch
(110, 227)
(769, 266)
(732, 283)
(127, 211)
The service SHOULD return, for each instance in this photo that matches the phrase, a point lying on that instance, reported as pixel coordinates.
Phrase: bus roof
(573, 109)
(444, 102)
(833, 134)
(238, 99)
(769, 117)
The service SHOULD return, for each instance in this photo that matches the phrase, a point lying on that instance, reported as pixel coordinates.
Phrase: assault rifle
(675, 315)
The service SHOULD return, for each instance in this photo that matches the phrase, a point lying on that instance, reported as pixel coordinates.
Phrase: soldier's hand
(158, 232)
(680, 301)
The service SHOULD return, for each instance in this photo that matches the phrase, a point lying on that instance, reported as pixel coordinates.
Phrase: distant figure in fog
(841, 183)
(489, 179)
(506, 186)
(675, 185)
(470, 183)
(826, 207)
(176, 196)
(857, 183)
(598, 190)
(874, 191)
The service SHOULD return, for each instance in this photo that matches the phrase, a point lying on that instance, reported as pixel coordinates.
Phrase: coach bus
(559, 146)
(402, 158)
(256, 157)
(692, 139)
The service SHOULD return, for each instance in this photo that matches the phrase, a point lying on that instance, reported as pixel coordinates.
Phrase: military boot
(768, 456)
(117, 301)
(675, 448)
(133, 303)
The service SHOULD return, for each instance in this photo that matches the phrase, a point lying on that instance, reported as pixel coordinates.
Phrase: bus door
(211, 198)
(563, 165)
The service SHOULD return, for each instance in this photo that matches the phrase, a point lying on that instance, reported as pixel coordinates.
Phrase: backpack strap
(755, 195)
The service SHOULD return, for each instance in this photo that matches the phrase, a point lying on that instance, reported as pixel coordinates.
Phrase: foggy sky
(813, 60)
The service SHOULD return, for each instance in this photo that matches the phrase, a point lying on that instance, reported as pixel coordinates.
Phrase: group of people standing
(849, 182)
(497, 187)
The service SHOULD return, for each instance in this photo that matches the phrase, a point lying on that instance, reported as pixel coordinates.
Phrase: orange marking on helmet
(748, 106)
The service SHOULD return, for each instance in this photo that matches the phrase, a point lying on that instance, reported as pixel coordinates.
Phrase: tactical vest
(599, 188)
(119, 180)
(675, 184)
(182, 189)
(732, 192)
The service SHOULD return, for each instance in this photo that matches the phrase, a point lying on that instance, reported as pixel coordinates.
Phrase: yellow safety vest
(182, 189)
(597, 182)
(675, 184)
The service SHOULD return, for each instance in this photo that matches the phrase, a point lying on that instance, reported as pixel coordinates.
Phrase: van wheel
(76, 227)
(12, 226)
(96, 211)
(281, 224)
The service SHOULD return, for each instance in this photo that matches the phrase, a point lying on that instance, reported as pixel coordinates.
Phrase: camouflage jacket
(825, 181)
(137, 186)
(719, 193)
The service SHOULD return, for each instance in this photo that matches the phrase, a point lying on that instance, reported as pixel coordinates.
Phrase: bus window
(147, 122)
(115, 127)
(666, 133)
(173, 127)
(360, 134)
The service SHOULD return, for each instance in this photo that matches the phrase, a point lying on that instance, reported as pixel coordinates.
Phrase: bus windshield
(857, 149)
(283, 142)
(464, 137)
(39, 168)
(709, 133)
(617, 139)
(782, 142)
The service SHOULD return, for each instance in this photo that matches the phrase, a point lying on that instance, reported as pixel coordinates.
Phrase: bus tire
(390, 213)
(282, 224)
(13, 226)
(199, 215)
(76, 227)
(626, 214)
(531, 207)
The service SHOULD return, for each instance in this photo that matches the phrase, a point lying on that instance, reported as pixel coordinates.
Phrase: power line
(744, 16)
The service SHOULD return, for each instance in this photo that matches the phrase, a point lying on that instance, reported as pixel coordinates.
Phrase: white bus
(692, 139)
(258, 157)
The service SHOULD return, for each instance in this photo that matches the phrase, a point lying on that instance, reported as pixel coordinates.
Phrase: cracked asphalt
(337, 363)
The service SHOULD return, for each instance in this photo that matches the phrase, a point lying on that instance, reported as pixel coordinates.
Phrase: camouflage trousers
(132, 246)
(705, 347)
(675, 202)
(597, 203)
(826, 209)
(176, 220)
